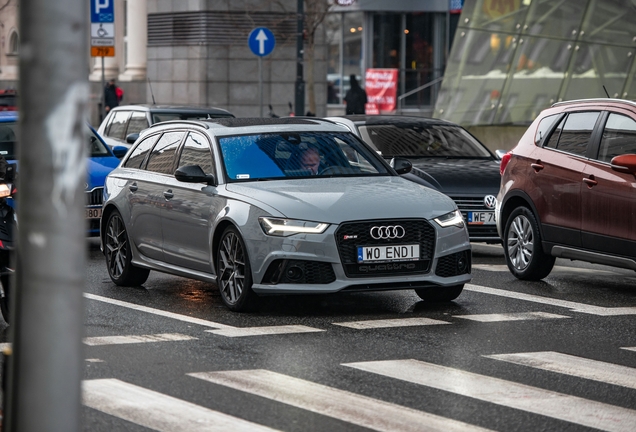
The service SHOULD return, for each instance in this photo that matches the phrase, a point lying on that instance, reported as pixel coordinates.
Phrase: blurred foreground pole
(47, 319)
(300, 83)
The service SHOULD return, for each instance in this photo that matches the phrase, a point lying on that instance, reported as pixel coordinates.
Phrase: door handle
(590, 182)
(168, 194)
(537, 166)
(133, 187)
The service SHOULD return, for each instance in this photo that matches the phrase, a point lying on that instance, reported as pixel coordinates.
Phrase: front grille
(358, 234)
(453, 265)
(466, 204)
(471, 203)
(95, 197)
(299, 272)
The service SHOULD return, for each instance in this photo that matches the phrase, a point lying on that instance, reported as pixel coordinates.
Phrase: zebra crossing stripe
(574, 366)
(515, 316)
(263, 331)
(339, 404)
(401, 322)
(574, 306)
(157, 411)
(534, 400)
(133, 339)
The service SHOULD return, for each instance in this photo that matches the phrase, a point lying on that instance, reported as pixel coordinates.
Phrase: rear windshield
(9, 148)
(161, 117)
(298, 155)
(423, 141)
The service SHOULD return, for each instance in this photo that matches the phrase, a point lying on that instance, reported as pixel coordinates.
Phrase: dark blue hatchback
(101, 161)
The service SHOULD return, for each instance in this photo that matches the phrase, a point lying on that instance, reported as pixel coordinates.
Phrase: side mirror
(624, 163)
(194, 174)
(120, 151)
(401, 165)
(131, 138)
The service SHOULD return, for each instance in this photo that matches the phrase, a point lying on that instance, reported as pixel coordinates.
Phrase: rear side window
(161, 159)
(117, 127)
(574, 132)
(138, 122)
(196, 151)
(619, 137)
(140, 152)
(544, 127)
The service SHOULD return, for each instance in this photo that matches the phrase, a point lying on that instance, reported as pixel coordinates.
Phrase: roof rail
(594, 100)
(200, 123)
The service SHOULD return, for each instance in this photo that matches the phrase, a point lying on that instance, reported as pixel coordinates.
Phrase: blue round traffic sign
(261, 41)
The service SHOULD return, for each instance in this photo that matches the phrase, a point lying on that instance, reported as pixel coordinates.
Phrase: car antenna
(151, 93)
(606, 92)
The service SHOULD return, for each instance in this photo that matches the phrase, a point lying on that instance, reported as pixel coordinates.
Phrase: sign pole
(102, 111)
(260, 82)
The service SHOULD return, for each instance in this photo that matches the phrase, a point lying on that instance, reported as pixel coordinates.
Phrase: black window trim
(144, 164)
(210, 147)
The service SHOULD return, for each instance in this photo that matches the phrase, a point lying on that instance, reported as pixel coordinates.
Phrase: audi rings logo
(490, 201)
(387, 232)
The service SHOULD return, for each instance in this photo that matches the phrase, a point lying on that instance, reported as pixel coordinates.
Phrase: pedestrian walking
(356, 97)
(110, 96)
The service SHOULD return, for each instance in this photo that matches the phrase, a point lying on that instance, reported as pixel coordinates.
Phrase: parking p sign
(102, 28)
(102, 11)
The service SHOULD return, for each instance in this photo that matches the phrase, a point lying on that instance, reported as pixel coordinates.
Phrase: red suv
(568, 189)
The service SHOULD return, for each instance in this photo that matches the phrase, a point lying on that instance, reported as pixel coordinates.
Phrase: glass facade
(513, 58)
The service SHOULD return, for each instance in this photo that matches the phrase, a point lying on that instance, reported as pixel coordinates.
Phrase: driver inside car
(310, 160)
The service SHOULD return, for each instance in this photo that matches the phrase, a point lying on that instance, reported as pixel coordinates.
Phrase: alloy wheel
(520, 242)
(232, 268)
(116, 246)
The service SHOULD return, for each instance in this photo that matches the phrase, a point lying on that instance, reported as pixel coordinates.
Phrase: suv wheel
(522, 246)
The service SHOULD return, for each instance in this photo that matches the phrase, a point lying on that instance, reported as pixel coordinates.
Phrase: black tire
(234, 274)
(522, 246)
(440, 294)
(4, 298)
(118, 254)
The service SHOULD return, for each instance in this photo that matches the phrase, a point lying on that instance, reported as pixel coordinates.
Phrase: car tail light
(504, 162)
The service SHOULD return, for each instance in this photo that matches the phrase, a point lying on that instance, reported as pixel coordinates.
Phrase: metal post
(102, 111)
(260, 83)
(300, 84)
(47, 323)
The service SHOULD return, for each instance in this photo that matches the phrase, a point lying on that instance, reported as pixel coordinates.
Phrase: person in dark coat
(110, 96)
(356, 97)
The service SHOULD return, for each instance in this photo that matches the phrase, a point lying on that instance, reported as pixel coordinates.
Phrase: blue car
(101, 161)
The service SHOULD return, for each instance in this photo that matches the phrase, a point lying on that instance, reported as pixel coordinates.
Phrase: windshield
(9, 149)
(297, 155)
(423, 141)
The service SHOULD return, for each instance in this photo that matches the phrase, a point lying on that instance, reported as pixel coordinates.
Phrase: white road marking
(157, 411)
(159, 312)
(404, 322)
(263, 331)
(133, 339)
(629, 348)
(339, 404)
(514, 316)
(574, 366)
(548, 403)
(575, 307)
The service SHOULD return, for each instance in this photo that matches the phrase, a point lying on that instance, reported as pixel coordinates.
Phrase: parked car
(101, 161)
(125, 120)
(234, 201)
(567, 188)
(445, 157)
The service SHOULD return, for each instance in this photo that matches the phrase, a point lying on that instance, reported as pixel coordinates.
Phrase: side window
(139, 153)
(161, 158)
(576, 132)
(137, 123)
(196, 151)
(117, 126)
(544, 127)
(556, 134)
(619, 137)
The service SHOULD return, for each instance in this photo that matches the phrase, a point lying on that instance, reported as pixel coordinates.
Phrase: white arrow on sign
(261, 37)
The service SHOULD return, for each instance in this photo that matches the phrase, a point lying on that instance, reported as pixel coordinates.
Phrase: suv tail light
(504, 162)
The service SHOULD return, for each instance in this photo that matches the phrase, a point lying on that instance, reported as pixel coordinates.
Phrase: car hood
(98, 168)
(458, 176)
(335, 200)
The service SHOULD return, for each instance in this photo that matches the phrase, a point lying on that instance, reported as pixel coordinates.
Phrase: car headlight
(5, 190)
(287, 227)
(453, 218)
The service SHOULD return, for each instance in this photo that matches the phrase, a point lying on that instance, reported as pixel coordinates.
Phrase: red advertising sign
(381, 88)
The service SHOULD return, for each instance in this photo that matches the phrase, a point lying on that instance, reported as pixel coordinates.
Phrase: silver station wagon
(278, 206)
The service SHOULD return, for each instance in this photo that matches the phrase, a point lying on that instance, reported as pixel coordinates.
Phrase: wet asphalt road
(425, 365)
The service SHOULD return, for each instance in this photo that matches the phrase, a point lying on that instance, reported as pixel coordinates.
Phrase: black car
(445, 157)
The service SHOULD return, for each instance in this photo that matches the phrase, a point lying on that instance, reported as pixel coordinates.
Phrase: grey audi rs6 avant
(278, 206)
